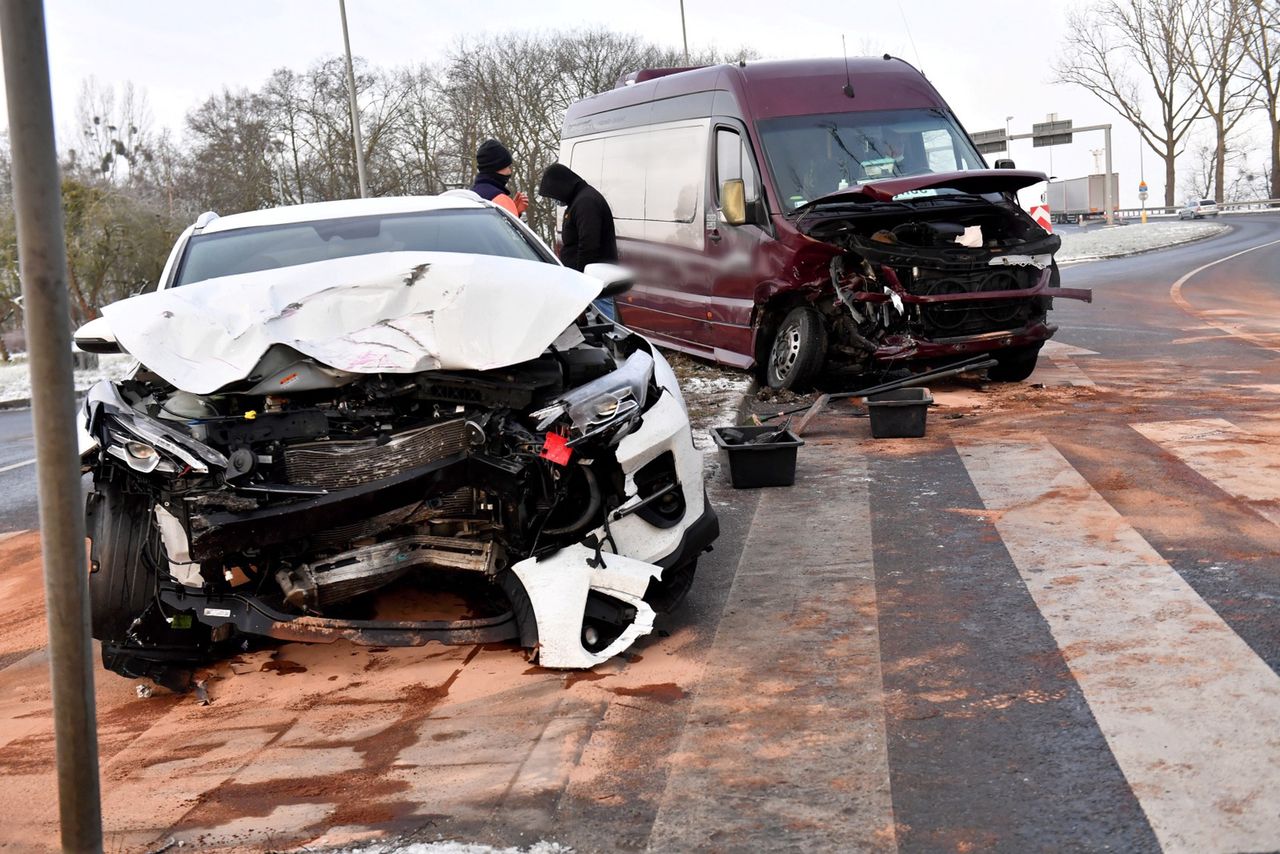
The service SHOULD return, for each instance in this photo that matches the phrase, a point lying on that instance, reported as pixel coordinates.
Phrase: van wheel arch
(768, 318)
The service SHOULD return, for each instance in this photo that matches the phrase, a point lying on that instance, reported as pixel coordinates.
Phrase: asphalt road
(1049, 625)
(17, 471)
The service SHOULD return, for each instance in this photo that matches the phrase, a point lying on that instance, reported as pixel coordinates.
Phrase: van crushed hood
(973, 181)
(394, 312)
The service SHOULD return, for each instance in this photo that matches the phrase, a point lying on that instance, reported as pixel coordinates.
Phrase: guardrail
(1256, 205)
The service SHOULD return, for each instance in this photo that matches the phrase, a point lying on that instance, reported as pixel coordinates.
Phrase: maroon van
(793, 218)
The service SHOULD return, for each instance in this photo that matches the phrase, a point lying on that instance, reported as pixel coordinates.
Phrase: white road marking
(1241, 464)
(787, 728)
(1191, 714)
(1061, 372)
(13, 466)
(1175, 293)
(1059, 350)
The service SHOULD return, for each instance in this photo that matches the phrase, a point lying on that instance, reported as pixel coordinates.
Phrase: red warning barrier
(1040, 213)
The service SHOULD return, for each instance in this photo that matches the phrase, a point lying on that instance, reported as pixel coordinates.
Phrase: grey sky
(990, 59)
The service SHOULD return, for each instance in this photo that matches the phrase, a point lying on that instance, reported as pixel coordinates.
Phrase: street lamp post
(355, 110)
(42, 260)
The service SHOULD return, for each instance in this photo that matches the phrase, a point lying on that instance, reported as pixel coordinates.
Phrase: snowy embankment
(15, 381)
(1100, 242)
(712, 394)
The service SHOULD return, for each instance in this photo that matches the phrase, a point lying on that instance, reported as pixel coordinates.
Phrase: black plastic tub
(899, 414)
(770, 463)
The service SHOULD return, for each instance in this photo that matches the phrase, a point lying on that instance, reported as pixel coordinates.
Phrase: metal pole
(42, 261)
(355, 110)
(684, 34)
(1106, 185)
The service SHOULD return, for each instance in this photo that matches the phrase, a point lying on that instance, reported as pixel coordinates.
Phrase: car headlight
(141, 456)
(604, 403)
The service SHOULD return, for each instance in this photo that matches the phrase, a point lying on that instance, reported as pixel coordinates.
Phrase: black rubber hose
(593, 507)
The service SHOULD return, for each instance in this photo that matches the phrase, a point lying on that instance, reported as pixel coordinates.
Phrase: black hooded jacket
(587, 235)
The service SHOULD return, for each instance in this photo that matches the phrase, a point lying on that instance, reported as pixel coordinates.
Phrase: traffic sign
(1051, 133)
(987, 141)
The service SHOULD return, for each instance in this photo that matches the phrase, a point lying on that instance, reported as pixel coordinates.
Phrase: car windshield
(812, 156)
(248, 250)
(1207, 202)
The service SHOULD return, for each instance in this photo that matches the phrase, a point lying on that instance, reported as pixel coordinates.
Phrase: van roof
(776, 88)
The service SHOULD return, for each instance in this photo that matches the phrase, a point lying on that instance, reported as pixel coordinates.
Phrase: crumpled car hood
(973, 181)
(395, 312)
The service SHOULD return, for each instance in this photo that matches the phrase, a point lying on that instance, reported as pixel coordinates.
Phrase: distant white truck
(1081, 197)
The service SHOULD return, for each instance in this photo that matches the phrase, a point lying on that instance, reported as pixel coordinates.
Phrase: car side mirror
(96, 337)
(733, 201)
(617, 280)
(1005, 163)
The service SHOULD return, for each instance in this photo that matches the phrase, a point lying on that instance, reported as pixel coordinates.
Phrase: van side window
(733, 160)
(676, 173)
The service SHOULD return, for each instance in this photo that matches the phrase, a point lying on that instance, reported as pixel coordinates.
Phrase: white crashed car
(341, 409)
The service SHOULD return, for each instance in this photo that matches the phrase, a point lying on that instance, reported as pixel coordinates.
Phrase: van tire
(1016, 365)
(798, 349)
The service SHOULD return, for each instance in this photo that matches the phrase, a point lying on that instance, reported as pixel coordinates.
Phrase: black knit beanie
(492, 156)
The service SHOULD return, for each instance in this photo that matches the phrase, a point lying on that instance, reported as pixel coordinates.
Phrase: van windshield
(813, 156)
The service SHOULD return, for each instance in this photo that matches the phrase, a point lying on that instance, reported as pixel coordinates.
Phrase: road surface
(1049, 625)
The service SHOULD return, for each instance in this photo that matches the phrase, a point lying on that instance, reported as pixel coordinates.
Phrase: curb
(1227, 229)
(25, 402)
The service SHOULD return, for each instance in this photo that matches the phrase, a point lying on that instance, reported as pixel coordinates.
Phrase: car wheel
(1015, 365)
(120, 587)
(798, 349)
(666, 593)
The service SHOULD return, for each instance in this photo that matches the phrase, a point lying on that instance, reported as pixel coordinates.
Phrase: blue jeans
(606, 307)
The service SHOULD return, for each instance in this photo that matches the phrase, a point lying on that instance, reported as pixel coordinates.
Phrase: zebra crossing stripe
(1191, 714)
(1236, 461)
(791, 695)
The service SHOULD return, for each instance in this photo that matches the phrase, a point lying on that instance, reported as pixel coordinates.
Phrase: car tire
(665, 594)
(798, 349)
(1014, 365)
(120, 587)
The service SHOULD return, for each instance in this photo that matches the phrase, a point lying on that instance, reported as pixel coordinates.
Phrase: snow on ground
(1100, 242)
(15, 382)
(712, 394)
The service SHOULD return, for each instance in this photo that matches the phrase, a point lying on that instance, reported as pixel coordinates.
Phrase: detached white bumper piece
(557, 587)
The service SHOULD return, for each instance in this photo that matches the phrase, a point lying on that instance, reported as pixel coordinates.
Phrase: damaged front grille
(343, 463)
(459, 503)
(962, 317)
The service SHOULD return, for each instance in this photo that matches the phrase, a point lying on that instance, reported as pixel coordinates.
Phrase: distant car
(1197, 209)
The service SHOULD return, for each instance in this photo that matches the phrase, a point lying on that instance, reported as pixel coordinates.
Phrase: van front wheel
(798, 349)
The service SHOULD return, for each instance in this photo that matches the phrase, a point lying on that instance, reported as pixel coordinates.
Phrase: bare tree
(1214, 55)
(113, 132)
(1262, 44)
(1126, 52)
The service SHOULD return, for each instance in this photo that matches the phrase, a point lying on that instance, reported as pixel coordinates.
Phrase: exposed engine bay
(930, 274)
(562, 494)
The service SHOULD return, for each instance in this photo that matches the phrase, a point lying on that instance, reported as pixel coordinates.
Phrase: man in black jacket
(587, 236)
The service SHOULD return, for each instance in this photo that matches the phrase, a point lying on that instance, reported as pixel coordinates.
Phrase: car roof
(316, 211)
